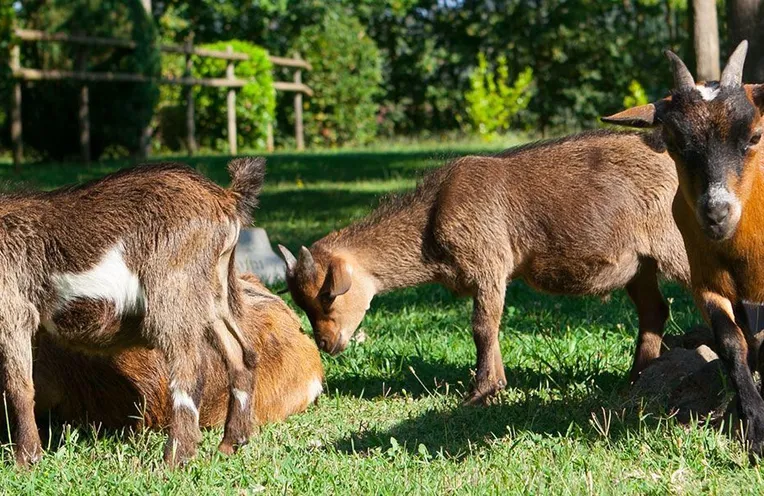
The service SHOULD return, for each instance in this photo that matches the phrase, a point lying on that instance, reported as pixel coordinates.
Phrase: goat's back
(574, 215)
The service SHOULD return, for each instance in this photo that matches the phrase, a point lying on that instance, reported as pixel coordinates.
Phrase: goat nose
(718, 212)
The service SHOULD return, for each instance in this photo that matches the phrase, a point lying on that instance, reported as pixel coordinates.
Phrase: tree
(745, 19)
(706, 39)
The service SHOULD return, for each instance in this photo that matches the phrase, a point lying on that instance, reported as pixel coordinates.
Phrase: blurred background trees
(402, 67)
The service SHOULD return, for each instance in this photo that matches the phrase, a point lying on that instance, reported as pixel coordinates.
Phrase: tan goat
(586, 214)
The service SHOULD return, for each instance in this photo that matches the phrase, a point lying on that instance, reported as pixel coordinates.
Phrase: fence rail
(230, 81)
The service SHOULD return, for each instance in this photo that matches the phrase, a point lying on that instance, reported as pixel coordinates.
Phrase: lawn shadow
(457, 431)
(420, 378)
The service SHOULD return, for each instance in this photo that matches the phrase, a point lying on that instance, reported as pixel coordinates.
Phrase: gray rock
(255, 254)
(690, 383)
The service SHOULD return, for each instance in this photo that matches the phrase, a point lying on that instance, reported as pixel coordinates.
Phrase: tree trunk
(746, 21)
(706, 39)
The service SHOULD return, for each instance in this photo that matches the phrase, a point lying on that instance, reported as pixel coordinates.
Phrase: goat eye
(326, 301)
(755, 139)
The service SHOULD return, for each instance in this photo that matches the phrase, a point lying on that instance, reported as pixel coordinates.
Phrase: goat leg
(486, 319)
(185, 391)
(733, 348)
(653, 312)
(18, 322)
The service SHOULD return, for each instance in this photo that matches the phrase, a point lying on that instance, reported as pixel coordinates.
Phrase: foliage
(255, 101)
(7, 21)
(346, 79)
(493, 100)
(119, 112)
(636, 95)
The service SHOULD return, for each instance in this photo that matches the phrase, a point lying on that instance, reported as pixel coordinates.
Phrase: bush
(491, 101)
(346, 78)
(255, 102)
(119, 112)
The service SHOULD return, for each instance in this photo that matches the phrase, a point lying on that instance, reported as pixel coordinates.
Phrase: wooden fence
(230, 81)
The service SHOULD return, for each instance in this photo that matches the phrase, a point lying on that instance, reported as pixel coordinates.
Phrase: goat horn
(289, 259)
(732, 75)
(306, 263)
(682, 77)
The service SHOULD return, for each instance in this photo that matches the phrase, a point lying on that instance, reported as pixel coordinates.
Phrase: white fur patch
(718, 193)
(315, 388)
(109, 280)
(181, 399)
(707, 92)
(242, 397)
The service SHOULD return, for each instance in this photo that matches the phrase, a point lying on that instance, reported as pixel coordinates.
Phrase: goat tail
(247, 177)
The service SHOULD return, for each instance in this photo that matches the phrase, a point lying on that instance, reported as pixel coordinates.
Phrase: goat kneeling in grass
(143, 257)
(587, 214)
(130, 388)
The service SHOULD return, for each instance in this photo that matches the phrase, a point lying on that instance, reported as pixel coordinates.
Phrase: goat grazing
(141, 257)
(586, 214)
(129, 389)
(713, 132)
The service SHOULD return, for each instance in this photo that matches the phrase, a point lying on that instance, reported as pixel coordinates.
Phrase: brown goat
(586, 214)
(130, 389)
(142, 257)
(713, 132)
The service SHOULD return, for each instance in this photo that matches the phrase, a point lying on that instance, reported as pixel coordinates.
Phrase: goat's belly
(95, 325)
(580, 276)
(97, 309)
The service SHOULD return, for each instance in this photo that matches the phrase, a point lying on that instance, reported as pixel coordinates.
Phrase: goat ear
(642, 116)
(289, 259)
(756, 94)
(338, 279)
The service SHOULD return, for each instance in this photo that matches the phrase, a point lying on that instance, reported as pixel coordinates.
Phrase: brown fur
(587, 214)
(130, 389)
(716, 147)
(170, 229)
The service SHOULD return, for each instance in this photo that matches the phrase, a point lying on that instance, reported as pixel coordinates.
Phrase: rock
(255, 254)
(688, 382)
(693, 338)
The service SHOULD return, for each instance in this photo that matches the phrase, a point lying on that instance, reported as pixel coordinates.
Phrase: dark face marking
(710, 141)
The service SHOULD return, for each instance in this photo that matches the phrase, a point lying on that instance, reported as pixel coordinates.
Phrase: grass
(391, 420)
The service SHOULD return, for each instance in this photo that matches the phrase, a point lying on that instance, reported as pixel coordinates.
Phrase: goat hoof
(27, 457)
(484, 396)
(229, 447)
(177, 455)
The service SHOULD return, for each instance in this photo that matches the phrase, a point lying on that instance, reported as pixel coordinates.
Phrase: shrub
(346, 78)
(493, 100)
(255, 102)
(636, 96)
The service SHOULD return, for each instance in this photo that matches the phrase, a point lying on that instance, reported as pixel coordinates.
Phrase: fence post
(83, 115)
(189, 90)
(231, 107)
(298, 127)
(16, 137)
(269, 137)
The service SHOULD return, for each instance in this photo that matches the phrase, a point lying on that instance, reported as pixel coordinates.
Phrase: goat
(586, 214)
(141, 257)
(129, 389)
(713, 132)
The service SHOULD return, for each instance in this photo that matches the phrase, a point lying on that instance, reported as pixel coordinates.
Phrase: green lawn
(391, 421)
